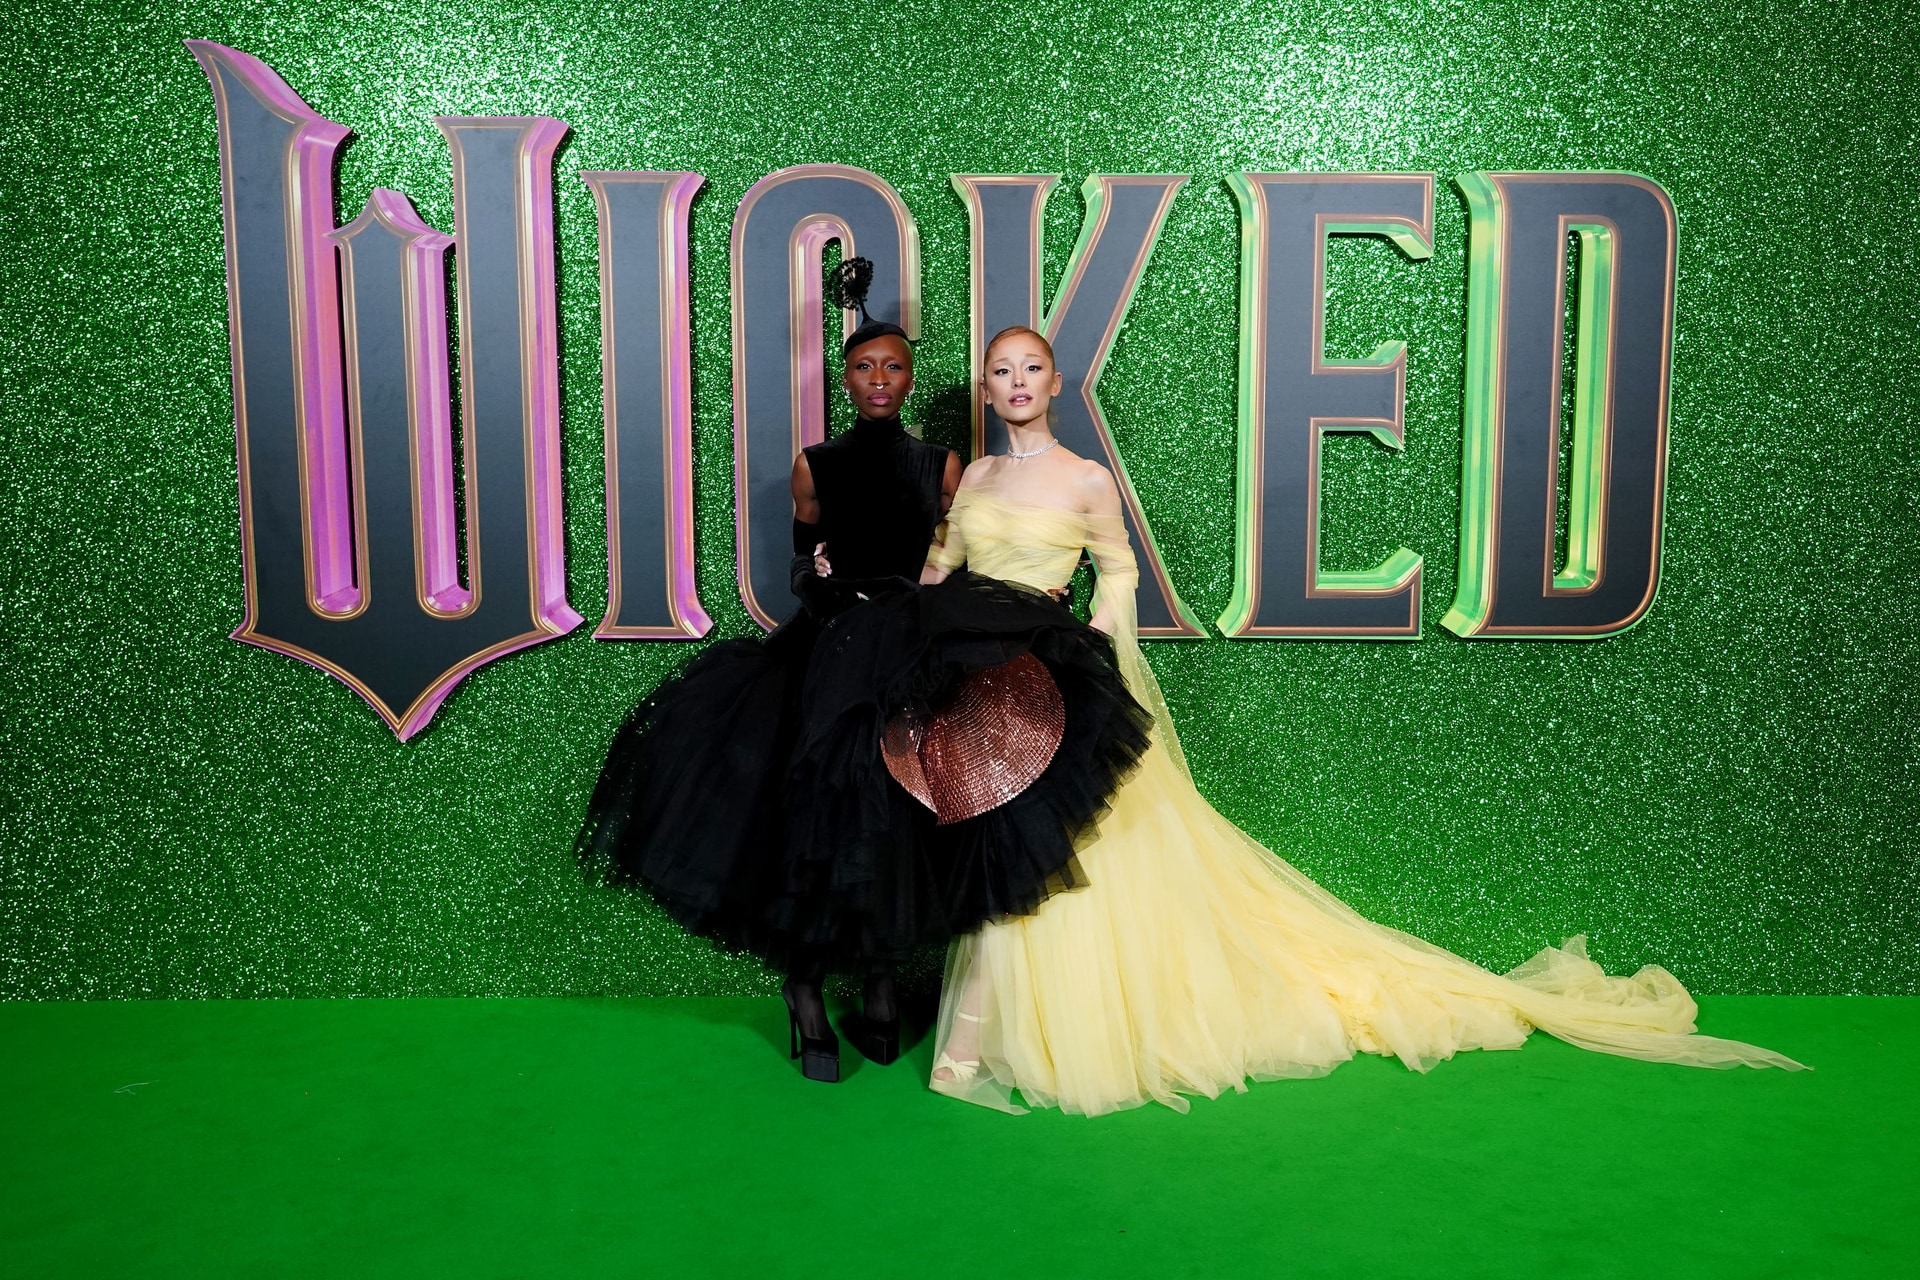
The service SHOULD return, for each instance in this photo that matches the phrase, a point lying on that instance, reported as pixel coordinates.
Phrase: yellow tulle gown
(1196, 960)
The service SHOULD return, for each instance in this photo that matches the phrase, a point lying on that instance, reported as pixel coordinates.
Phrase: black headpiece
(847, 285)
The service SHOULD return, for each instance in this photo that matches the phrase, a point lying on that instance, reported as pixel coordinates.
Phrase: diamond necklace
(1033, 453)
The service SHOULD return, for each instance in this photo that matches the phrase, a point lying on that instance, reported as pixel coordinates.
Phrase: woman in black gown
(750, 794)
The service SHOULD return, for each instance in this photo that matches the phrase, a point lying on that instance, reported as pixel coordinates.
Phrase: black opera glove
(821, 597)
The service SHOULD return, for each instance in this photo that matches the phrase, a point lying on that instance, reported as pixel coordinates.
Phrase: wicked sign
(345, 423)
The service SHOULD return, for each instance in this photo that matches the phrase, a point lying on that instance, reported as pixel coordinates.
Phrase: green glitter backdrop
(1728, 789)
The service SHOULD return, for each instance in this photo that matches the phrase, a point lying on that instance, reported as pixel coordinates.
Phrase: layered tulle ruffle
(691, 800)
(749, 796)
(869, 867)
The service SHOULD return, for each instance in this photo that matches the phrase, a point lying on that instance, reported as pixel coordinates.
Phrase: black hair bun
(848, 283)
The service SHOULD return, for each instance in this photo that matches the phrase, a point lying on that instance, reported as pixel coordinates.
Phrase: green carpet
(670, 1137)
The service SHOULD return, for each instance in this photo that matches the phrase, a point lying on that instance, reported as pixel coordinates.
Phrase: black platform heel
(819, 1058)
(878, 1039)
(878, 1042)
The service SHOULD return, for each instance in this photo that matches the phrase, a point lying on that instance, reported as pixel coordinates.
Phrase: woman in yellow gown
(1196, 959)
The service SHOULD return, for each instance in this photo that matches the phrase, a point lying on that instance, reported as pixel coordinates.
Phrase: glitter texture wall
(1728, 789)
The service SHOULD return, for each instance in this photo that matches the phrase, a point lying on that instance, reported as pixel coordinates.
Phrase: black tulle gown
(748, 794)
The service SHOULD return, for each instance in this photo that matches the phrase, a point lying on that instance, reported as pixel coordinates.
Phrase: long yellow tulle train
(1196, 960)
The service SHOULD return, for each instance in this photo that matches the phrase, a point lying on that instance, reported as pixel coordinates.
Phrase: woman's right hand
(822, 568)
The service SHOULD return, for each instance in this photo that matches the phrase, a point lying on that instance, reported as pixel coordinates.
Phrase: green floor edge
(671, 1138)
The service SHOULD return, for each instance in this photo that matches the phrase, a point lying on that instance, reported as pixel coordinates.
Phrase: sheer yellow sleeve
(949, 549)
(1115, 612)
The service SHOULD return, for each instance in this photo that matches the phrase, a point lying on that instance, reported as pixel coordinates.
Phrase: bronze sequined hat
(984, 746)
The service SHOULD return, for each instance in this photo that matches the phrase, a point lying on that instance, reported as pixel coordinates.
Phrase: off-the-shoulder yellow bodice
(1036, 546)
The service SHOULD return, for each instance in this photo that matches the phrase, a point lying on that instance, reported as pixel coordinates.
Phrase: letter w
(347, 491)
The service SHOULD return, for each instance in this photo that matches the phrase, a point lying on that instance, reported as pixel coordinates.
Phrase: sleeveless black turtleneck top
(879, 492)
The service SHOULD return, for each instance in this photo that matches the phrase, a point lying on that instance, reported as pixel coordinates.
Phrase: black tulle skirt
(749, 795)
